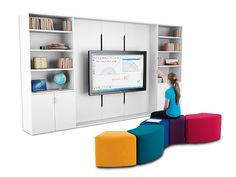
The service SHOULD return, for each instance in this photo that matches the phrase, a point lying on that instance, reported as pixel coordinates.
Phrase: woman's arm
(166, 104)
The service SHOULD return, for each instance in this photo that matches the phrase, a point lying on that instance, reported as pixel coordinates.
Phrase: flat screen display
(116, 71)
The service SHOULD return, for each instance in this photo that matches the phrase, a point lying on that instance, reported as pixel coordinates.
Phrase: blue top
(174, 109)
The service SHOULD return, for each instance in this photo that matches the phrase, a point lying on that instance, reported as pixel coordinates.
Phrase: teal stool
(150, 142)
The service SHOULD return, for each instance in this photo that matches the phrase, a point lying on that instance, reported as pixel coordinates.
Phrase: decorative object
(171, 61)
(38, 85)
(59, 79)
(39, 63)
(161, 61)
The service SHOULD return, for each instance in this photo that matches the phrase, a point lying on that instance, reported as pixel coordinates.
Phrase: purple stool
(176, 130)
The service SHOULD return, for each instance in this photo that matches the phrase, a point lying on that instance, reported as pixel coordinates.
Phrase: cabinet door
(112, 35)
(161, 88)
(136, 38)
(88, 35)
(43, 113)
(65, 116)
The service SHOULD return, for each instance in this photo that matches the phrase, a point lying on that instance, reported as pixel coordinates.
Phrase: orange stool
(115, 149)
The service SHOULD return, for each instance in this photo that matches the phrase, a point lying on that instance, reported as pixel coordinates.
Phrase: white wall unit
(54, 109)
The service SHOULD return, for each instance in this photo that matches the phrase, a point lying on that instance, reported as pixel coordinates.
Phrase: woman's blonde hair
(175, 83)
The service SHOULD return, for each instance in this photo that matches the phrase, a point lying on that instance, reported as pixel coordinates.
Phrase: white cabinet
(53, 112)
(65, 117)
(43, 113)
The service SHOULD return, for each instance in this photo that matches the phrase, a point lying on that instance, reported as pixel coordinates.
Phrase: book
(41, 23)
(154, 120)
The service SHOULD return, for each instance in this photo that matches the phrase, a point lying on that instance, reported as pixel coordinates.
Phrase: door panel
(88, 38)
(65, 114)
(112, 35)
(43, 113)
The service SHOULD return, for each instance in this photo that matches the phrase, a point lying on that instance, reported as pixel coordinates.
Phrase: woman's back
(174, 108)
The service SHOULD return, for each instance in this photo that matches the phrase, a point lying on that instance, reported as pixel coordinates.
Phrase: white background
(209, 77)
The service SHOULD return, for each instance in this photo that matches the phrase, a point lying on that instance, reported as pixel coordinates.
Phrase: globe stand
(60, 87)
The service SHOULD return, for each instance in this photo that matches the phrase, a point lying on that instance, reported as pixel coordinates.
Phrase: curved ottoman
(176, 129)
(165, 124)
(115, 149)
(150, 142)
(203, 127)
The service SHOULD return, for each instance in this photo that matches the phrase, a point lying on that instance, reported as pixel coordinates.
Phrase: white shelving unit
(166, 34)
(47, 111)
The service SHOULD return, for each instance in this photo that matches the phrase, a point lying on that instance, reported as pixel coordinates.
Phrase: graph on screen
(117, 72)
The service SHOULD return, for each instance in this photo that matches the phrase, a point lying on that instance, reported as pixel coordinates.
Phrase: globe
(59, 79)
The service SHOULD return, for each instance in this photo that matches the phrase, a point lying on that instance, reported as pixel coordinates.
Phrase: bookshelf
(44, 37)
(42, 46)
(168, 35)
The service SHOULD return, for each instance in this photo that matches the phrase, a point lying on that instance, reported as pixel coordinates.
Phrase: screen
(117, 72)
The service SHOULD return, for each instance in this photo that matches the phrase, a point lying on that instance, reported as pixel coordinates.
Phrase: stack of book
(41, 23)
(67, 25)
(172, 61)
(39, 63)
(64, 63)
(59, 46)
(177, 32)
(172, 47)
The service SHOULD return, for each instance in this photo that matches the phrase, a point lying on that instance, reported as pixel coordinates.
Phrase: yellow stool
(115, 149)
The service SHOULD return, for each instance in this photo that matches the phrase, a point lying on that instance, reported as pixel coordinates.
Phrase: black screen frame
(114, 52)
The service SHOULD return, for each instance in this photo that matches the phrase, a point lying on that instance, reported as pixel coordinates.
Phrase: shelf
(52, 69)
(52, 91)
(169, 37)
(49, 50)
(169, 66)
(50, 31)
(169, 51)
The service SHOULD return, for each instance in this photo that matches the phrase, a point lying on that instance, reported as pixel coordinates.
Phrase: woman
(172, 98)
